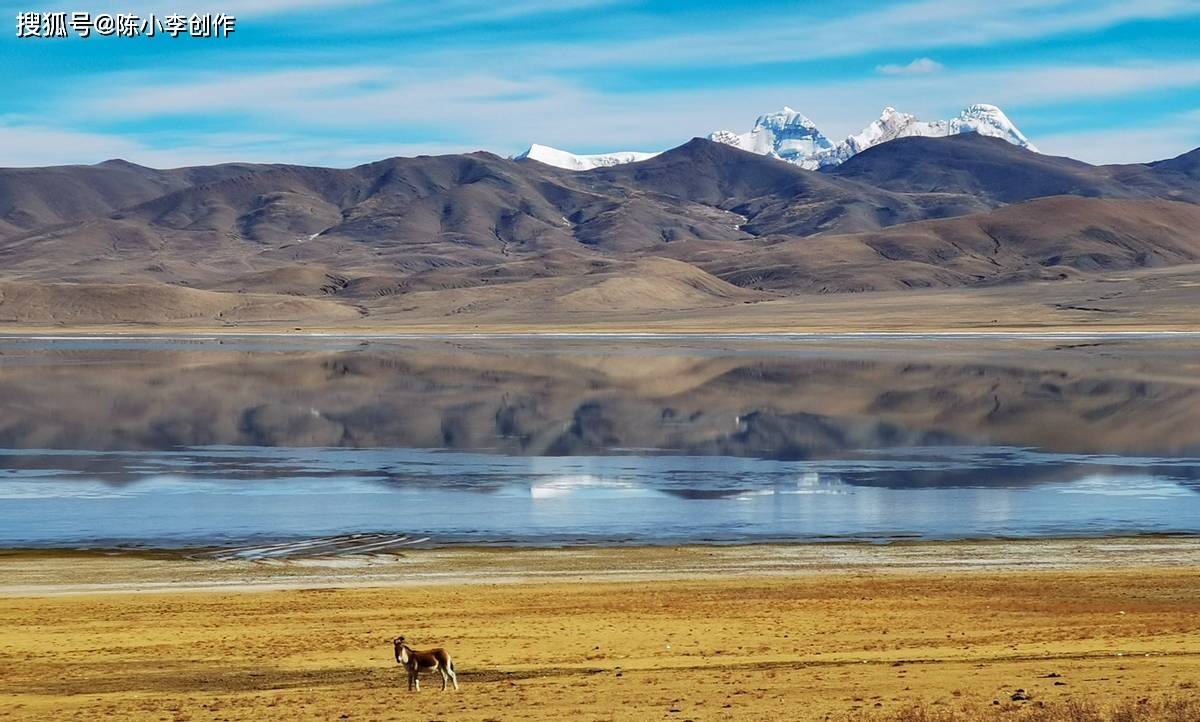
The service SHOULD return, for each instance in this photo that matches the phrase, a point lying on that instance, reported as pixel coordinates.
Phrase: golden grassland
(1093, 644)
(1181, 708)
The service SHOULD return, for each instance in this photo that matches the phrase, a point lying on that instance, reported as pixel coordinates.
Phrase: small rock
(1019, 696)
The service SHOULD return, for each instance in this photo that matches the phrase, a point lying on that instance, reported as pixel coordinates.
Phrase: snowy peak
(991, 121)
(979, 118)
(571, 161)
(786, 121)
(790, 136)
(891, 124)
(786, 135)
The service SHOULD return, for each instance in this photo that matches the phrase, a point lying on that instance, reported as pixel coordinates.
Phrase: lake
(274, 446)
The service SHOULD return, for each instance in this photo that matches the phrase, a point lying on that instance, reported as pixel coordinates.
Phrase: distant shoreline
(69, 572)
(308, 548)
(168, 333)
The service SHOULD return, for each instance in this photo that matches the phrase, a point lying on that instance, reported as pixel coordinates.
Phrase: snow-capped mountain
(571, 161)
(786, 135)
(789, 136)
(979, 118)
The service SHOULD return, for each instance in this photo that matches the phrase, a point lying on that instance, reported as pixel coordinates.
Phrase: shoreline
(78, 572)
(407, 542)
(603, 332)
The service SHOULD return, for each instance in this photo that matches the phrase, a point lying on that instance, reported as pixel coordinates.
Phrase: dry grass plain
(1156, 299)
(855, 642)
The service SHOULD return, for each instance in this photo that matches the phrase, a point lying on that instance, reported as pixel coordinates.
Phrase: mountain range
(788, 135)
(705, 228)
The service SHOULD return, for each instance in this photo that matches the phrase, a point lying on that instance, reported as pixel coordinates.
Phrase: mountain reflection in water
(608, 433)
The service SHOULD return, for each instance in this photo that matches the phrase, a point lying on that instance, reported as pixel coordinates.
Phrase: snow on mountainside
(979, 118)
(571, 161)
(789, 136)
(786, 135)
(891, 124)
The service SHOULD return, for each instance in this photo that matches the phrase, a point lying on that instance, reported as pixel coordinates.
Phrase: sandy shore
(56, 573)
(742, 633)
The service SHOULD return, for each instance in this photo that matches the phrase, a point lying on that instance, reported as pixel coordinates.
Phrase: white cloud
(1167, 139)
(36, 145)
(918, 66)
(845, 107)
(893, 27)
(40, 145)
(495, 107)
(359, 104)
(504, 98)
(266, 92)
(461, 12)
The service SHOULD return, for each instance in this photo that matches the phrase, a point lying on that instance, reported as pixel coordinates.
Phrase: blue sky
(341, 82)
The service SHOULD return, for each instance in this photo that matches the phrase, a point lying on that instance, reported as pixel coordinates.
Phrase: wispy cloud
(35, 145)
(1167, 138)
(462, 75)
(926, 24)
(24, 145)
(503, 113)
(918, 66)
(458, 12)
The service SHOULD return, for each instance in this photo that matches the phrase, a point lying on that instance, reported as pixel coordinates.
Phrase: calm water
(151, 442)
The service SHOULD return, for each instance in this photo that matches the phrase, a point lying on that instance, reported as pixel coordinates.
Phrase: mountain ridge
(790, 136)
(704, 225)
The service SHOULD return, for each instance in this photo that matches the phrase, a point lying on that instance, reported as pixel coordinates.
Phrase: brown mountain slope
(70, 304)
(702, 226)
(774, 197)
(394, 218)
(1187, 165)
(32, 198)
(646, 285)
(995, 171)
(1047, 238)
(654, 283)
(451, 221)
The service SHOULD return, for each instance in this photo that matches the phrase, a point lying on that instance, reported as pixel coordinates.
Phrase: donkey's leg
(417, 679)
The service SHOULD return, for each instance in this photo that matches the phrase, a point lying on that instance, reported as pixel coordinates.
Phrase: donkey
(415, 661)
